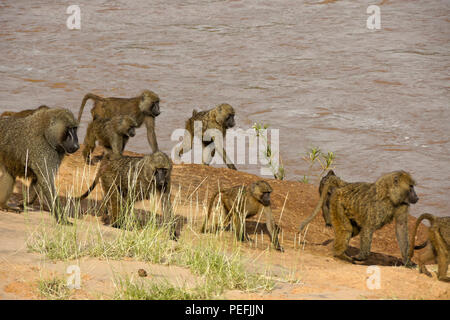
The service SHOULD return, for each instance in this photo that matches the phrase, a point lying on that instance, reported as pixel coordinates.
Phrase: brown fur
(361, 208)
(242, 202)
(112, 134)
(34, 147)
(143, 108)
(327, 184)
(23, 113)
(146, 176)
(220, 118)
(437, 247)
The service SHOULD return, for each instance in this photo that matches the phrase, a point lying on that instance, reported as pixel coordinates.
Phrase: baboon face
(261, 191)
(161, 177)
(128, 126)
(62, 131)
(158, 167)
(225, 115)
(149, 104)
(399, 187)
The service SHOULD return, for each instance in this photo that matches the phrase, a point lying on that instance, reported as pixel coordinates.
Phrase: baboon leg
(239, 227)
(168, 215)
(343, 232)
(6, 189)
(114, 212)
(273, 229)
(89, 143)
(442, 256)
(151, 135)
(365, 244)
(31, 193)
(426, 257)
(401, 232)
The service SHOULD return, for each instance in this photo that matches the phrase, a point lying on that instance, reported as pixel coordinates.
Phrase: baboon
(23, 113)
(437, 247)
(134, 179)
(220, 118)
(112, 134)
(327, 184)
(361, 208)
(143, 108)
(33, 147)
(242, 202)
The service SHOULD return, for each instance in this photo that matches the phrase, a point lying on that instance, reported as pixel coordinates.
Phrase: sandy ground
(302, 272)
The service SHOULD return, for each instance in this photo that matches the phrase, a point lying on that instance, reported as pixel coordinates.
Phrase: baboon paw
(280, 248)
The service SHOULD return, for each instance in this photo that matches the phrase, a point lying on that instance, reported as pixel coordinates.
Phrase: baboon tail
(85, 99)
(316, 210)
(92, 187)
(412, 246)
(208, 214)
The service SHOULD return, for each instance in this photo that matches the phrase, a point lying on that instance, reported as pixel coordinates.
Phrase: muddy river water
(379, 99)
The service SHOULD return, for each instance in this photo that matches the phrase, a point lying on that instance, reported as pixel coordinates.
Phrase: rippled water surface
(378, 99)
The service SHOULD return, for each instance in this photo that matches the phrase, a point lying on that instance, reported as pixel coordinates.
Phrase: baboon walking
(33, 147)
(437, 246)
(143, 108)
(127, 179)
(242, 202)
(112, 134)
(361, 208)
(220, 118)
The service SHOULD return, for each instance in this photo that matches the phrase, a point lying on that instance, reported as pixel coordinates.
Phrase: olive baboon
(220, 118)
(143, 108)
(134, 179)
(361, 208)
(34, 147)
(242, 202)
(23, 113)
(437, 247)
(112, 134)
(327, 184)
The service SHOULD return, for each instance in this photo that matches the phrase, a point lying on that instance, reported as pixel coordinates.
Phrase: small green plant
(53, 288)
(315, 155)
(278, 171)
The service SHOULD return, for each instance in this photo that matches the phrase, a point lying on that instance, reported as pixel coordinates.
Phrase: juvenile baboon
(327, 184)
(437, 247)
(220, 118)
(242, 202)
(361, 208)
(23, 113)
(34, 147)
(134, 179)
(143, 108)
(112, 134)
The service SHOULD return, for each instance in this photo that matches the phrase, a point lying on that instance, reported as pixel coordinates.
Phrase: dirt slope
(317, 274)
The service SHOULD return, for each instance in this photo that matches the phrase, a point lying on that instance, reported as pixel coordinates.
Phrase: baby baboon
(143, 108)
(327, 184)
(437, 247)
(23, 113)
(242, 202)
(112, 134)
(362, 208)
(34, 147)
(134, 179)
(220, 118)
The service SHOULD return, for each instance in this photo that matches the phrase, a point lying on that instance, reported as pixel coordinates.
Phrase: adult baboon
(23, 113)
(437, 246)
(134, 179)
(34, 147)
(112, 134)
(220, 118)
(242, 202)
(327, 184)
(361, 208)
(143, 108)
